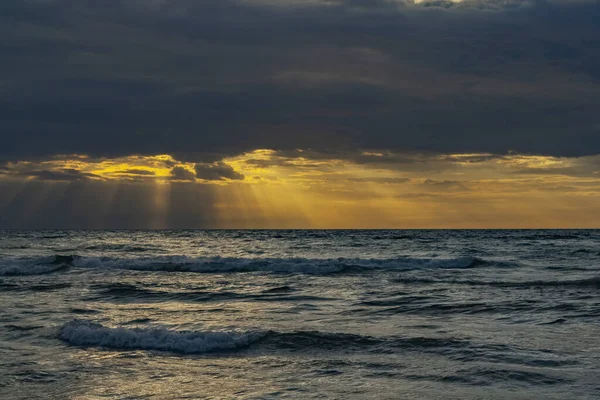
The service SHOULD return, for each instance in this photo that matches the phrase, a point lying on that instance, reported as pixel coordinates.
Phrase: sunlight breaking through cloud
(304, 188)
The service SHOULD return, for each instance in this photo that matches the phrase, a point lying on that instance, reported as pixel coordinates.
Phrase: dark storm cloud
(217, 171)
(182, 174)
(206, 79)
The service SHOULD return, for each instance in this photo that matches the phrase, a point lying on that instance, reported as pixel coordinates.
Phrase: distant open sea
(412, 314)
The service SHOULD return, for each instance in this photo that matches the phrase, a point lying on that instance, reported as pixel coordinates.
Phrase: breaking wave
(90, 334)
(87, 333)
(38, 266)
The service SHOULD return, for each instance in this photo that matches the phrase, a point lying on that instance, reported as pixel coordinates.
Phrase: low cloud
(217, 171)
(180, 173)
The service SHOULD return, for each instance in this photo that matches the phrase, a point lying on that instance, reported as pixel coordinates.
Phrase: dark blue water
(300, 314)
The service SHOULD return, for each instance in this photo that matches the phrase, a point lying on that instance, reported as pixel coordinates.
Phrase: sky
(172, 114)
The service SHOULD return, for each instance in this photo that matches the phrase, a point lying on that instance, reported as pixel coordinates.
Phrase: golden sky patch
(370, 189)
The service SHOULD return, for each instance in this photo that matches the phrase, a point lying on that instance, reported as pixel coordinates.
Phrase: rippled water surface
(300, 314)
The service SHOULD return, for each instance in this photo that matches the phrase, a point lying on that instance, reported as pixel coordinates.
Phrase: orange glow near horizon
(302, 189)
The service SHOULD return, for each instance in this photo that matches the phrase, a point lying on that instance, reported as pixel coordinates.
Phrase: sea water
(300, 314)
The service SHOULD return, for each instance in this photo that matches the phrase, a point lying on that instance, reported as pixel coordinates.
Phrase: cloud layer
(299, 113)
(303, 189)
(203, 80)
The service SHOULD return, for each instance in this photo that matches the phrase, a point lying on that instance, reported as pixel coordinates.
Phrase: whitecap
(87, 333)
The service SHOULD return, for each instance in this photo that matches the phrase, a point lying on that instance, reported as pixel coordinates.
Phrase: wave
(332, 341)
(121, 247)
(51, 264)
(22, 328)
(543, 235)
(487, 377)
(36, 266)
(7, 286)
(41, 287)
(593, 282)
(57, 236)
(127, 292)
(400, 306)
(484, 376)
(91, 334)
(274, 265)
(28, 269)
(586, 251)
(86, 333)
(280, 289)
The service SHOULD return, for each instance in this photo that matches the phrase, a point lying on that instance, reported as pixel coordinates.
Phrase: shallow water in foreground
(300, 314)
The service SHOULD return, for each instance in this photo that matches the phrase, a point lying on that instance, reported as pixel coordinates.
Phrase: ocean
(224, 314)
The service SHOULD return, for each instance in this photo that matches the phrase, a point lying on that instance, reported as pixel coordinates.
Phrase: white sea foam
(87, 333)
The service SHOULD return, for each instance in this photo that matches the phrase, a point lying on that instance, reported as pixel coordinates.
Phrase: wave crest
(87, 333)
(38, 266)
